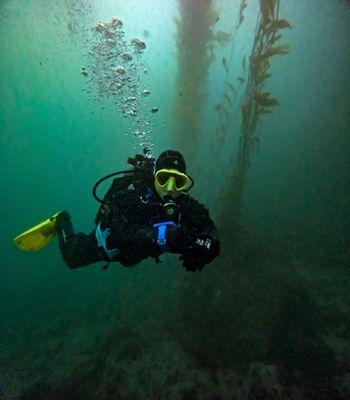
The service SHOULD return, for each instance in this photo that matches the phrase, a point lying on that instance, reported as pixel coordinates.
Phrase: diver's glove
(202, 250)
(175, 239)
(192, 262)
(137, 244)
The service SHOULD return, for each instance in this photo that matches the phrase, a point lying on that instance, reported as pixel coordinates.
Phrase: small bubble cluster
(114, 72)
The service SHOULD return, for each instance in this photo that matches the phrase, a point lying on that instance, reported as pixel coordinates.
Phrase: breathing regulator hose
(94, 189)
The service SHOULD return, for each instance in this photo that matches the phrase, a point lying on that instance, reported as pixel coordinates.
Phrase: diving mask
(171, 182)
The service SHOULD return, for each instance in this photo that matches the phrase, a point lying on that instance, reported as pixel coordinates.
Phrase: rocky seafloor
(261, 324)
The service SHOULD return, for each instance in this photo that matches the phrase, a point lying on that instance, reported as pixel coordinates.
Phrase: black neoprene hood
(171, 159)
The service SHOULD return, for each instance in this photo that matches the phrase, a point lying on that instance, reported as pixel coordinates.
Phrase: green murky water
(270, 317)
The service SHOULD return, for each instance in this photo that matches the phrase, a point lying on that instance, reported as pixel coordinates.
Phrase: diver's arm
(202, 237)
(138, 243)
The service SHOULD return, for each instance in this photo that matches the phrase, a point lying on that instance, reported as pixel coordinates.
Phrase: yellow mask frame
(171, 180)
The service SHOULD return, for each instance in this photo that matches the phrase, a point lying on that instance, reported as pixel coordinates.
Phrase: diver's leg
(78, 250)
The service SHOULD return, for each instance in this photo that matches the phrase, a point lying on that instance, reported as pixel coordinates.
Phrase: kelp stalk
(195, 54)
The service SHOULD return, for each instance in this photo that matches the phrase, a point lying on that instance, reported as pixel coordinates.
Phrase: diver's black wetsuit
(139, 225)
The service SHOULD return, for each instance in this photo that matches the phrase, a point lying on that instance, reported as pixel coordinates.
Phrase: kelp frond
(255, 100)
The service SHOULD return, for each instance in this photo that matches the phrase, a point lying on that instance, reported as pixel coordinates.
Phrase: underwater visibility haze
(256, 96)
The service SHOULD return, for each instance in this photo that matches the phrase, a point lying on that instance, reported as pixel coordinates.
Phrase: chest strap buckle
(162, 227)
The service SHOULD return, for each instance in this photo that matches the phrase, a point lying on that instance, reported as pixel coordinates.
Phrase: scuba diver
(146, 212)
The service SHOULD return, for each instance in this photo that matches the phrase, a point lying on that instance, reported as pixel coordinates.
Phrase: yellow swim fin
(38, 236)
